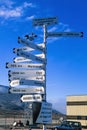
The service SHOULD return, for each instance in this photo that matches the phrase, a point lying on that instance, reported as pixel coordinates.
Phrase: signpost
(32, 73)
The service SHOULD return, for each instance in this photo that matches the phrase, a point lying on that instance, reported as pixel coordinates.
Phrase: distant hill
(11, 104)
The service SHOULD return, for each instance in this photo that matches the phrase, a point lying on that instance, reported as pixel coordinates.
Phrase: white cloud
(26, 4)
(7, 3)
(52, 29)
(7, 10)
(61, 27)
(67, 30)
(9, 13)
(30, 17)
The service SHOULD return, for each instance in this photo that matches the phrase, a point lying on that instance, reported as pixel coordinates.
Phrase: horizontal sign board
(28, 48)
(31, 98)
(65, 34)
(31, 56)
(22, 49)
(44, 21)
(28, 66)
(45, 114)
(29, 90)
(31, 44)
(21, 59)
(27, 77)
(27, 82)
(26, 72)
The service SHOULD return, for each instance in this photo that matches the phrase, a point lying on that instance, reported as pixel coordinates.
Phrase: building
(76, 108)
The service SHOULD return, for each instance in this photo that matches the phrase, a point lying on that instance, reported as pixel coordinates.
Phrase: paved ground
(22, 128)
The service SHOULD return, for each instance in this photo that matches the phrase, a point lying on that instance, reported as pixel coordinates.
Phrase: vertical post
(44, 40)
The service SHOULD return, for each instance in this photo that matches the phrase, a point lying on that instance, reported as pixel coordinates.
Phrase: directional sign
(29, 90)
(31, 98)
(27, 77)
(45, 114)
(31, 56)
(22, 49)
(27, 82)
(44, 21)
(28, 48)
(65, 34)
(28, 66)
(31, 44)
(26, 72)
(22, 59)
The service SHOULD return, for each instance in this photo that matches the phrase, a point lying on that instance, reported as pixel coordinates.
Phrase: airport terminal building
(76, 108)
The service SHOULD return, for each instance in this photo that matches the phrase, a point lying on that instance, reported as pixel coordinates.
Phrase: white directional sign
(31, 44)
(31, 98)
(23, 59)
(27, 77)
(65, 34)
(30, 90)
(27, 82)
(28, 66)
(31, 56)
(26, 72)
(28, 48)
(45, 114)
(22, 49)
(44, 21)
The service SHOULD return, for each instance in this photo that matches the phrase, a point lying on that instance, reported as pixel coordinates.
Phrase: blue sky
(66, 57)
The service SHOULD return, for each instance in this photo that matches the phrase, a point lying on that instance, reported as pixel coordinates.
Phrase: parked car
(68, 125)
(74, 124)
(63, 127)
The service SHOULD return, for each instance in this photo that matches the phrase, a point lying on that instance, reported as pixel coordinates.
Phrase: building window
(79, 117)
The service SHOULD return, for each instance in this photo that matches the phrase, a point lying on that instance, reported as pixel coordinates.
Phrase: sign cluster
(29, 68)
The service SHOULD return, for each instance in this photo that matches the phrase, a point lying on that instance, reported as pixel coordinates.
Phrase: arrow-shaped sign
(31, 98)
(30, 90)
(28, 66)
(23, 59)
(65, 34)
(22, 49)
(26, 72)
(31, 56)
(27, 77)
(27, 82)
(28, 48)
(31, 44)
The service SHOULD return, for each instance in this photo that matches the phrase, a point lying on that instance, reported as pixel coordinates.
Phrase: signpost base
(44, 127)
